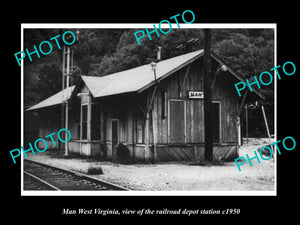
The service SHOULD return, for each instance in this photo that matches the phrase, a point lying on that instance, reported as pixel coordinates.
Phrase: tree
(101, 52)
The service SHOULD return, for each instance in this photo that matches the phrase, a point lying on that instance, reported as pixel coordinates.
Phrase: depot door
(177, 121)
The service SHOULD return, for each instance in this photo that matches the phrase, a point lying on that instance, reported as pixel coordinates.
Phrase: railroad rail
(32, 182)
(40, 176)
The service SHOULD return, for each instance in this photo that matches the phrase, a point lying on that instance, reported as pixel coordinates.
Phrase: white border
(22, 110)
(148, 25)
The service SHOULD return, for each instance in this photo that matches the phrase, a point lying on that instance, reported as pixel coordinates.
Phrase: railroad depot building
(132, 116)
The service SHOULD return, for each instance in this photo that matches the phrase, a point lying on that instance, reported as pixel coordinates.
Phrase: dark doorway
(216, 114)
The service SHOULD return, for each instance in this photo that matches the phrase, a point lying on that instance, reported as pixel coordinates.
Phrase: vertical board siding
(222, 92)
(130, 111)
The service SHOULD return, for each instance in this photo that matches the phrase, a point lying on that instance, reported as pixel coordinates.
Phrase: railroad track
(39, 176)
(32, 183)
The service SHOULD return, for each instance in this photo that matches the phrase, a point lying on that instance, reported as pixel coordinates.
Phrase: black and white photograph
(133, 109)
(149, 111)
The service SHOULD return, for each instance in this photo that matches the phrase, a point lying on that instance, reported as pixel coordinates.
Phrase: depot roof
(56, 99)
(133, 80)
(136, 79)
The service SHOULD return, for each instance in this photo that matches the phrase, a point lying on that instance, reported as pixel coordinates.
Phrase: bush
(123, 154)
(265, 152)
(95, 170)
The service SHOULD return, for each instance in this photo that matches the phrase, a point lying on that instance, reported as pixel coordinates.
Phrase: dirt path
(179, 176)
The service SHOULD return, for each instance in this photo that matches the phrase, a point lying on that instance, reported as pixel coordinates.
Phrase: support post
(149, 107)
(239, 130)
(147, 138)
(133, 137)
(147, 155)
(242, 103)
(266, 123)
(154, 129)
(208, 139)
(239, 118)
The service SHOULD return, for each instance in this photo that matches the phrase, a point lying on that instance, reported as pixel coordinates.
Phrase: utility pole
(149, 108)
(65, 85)
(67, 69)
(266, 123)
(67, 53)
(208, 130)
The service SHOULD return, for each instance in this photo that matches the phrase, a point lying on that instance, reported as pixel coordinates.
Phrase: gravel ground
(177, 175)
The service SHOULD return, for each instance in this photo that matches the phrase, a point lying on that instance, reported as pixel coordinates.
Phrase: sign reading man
(195, 95)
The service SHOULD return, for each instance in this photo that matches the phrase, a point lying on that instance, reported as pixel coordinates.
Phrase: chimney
(158, 50)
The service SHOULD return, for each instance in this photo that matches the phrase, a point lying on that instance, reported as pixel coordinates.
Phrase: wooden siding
(176, 153)
(176, 87)
(130, 112)
(224, 92)
(191, 79)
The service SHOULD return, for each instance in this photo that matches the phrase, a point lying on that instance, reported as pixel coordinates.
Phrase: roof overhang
(122, 82)
(53, 100)
(171, 72)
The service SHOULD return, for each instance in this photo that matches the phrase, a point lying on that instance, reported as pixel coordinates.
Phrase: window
(164, 104)
(78, 131)
(84, 122)
(140, 127)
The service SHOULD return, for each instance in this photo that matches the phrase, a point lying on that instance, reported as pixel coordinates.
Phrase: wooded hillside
(100, 52)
